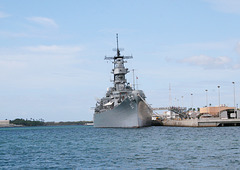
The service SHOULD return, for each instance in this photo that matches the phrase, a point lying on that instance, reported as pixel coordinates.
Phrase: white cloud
(208, 62)
(171, 52)
(12, 34)
(238, 48)
(47, 22)
(12, 64)
(236, 66)
(35, 65)
(227, 6)
(54, 49)
(3, 15)
(40, 58)
(207, 45)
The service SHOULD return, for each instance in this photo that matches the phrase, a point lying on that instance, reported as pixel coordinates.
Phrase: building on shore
(4, 123)
(225, 112)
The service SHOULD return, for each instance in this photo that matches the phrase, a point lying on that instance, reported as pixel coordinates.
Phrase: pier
(211, 122)
(206, 117)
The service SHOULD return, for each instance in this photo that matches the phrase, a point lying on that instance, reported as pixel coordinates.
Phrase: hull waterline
(129, 114)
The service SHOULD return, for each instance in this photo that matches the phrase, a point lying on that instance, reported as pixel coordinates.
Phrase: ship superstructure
(123, 106)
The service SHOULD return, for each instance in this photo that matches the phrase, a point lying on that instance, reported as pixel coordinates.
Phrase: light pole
(234, 94)
(182, 102)
(207, 99)
(218, 101)
(170, 97)
(192, 100)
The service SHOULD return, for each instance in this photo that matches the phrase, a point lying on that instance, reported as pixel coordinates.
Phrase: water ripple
(85, 147)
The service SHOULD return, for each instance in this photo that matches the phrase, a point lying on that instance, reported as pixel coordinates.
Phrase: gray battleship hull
(129, 114)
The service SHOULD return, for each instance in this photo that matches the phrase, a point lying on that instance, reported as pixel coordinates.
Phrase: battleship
(123, 106)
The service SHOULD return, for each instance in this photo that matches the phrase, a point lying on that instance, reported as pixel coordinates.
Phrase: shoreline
(47, 124)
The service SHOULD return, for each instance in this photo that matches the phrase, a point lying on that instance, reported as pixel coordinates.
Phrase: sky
(52, 54)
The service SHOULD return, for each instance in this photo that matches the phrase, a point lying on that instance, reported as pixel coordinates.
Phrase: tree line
(40, 122)
(26, 122)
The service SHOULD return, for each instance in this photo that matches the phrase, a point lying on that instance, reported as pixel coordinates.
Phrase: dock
(211, 122)
(217, 116)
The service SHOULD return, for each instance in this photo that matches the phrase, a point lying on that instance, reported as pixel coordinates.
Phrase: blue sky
(51, 53)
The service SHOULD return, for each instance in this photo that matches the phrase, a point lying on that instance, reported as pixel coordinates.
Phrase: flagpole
(137, 82)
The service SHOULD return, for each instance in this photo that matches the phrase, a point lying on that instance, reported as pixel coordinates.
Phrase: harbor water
(86, 147)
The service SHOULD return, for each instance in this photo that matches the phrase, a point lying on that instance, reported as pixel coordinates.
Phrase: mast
(119, 70)
(133, 79)
(118, 51)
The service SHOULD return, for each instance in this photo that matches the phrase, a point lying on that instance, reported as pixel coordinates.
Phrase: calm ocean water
(85, 147)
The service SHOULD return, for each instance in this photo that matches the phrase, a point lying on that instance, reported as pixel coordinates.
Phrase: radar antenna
(118, 53)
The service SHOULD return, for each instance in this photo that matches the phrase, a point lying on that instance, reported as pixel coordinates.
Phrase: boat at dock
(123, 106)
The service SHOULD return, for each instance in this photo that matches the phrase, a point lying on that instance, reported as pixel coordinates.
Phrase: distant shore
(26, 123)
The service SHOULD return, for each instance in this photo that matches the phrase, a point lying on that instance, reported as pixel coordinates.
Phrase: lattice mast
(119, 70)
